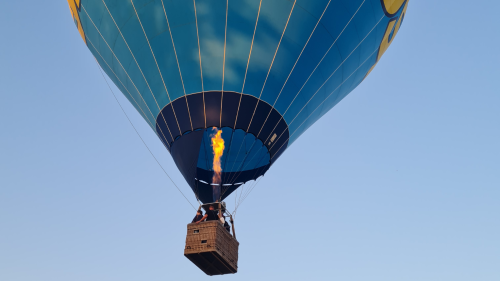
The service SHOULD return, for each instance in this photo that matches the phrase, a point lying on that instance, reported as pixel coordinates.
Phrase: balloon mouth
(255, 134)
(245, 158)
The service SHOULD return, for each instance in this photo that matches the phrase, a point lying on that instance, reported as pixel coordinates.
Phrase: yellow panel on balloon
(392, 6)
(74, 7)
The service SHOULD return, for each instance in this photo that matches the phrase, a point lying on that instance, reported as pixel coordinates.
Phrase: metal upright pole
(220, 210)
(232, 225)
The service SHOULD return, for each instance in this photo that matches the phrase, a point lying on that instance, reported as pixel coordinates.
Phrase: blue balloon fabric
(263, 71)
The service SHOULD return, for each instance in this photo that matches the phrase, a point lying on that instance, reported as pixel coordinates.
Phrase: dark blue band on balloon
(182, 124)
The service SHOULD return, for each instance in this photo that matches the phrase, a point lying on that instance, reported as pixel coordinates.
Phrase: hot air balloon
(255, 74)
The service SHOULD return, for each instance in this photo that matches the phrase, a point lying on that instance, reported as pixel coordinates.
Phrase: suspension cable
(116, 99)
(248, 193)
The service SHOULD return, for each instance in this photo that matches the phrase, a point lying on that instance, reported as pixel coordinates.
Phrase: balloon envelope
(263, 71)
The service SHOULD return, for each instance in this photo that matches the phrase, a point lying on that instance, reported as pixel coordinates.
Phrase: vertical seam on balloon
(314, 70)
(248, 62)
(336, 70)
(134, 60)
(272, 62)
(137, 132)
(329, 78)
(199, 55)
(124, 86)
(124, 70)
(152, 127)
(137, 63)
(325, 99)
(283, 115)
(93, 46)
(357, 33)
(178, 65)
(307, 42)
(156, 62)
(223, 66)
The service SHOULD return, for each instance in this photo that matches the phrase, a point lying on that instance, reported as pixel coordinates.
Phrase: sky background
(399, 181)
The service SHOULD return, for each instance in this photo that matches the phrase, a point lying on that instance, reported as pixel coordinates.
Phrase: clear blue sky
(400, 181)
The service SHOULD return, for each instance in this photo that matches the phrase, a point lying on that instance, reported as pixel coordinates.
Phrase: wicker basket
(210, 247)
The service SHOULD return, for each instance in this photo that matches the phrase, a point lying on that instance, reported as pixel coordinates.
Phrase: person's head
(199, 212)
(211, 208)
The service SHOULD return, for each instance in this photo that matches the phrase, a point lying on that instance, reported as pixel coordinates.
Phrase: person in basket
(199, 215)
(210, 215)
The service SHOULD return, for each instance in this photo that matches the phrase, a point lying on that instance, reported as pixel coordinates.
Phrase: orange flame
(218, 147)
